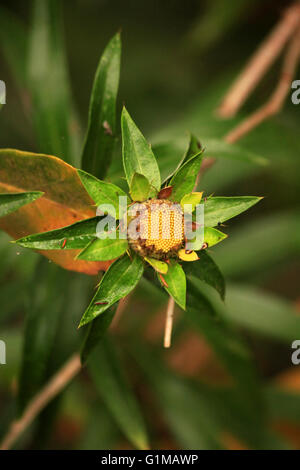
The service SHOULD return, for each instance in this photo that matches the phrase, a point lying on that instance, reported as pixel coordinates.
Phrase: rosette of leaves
(131, 257)
(62, 222)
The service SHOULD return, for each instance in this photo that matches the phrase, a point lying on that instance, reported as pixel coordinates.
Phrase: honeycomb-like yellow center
(161, 227)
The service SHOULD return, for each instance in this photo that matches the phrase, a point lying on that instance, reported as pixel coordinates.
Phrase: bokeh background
(178, 61)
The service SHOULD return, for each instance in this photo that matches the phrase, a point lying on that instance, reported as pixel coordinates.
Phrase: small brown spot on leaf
(107, 128)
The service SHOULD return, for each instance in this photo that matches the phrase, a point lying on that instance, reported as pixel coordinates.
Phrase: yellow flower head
(160, 225)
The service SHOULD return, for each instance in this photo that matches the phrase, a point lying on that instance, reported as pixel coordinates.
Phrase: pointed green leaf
(207, 271)
(96, 331)
(191, 198)
(230, 348)
(178, 399)
(118, 281)
(212, 236)
(100, 137)
(44, 310)
(139, 188)
(219, 209)
(14, 44)
(263, 313)
(159, 266)
(193, 148)
(112, 384)
(75, 236)
(54, 117)
(219, 148)
(102, 192)
(104, 249)
(184, 180)
(137, 154)
(176, 283)
(13, 201)
(269, 235)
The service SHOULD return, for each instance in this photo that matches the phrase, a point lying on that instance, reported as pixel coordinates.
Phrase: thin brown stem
(260, 62)
(169, 322)
(277, 99)
(51, 389)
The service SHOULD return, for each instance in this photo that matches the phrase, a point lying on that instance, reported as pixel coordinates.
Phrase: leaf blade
(55, 119)
(104, 249)
(102, 192)
(207, 271)
(139, 188)
(184, 180)
(71, 237)
(100, 137)
(176, 283)
(137, 154)
(10, 202)
(95, 332)
(118, 281)
(114, 388)
(219, 209)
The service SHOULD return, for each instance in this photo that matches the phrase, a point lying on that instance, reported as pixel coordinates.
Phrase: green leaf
(283, 404)
(263, 313)
(137, 154)
(233, 162)
(219, 209)
(139, 188)
(100, 137)
(193, 148)
(176, 281)
(216, 19)
(96, 331)
(44, 308)
(268, 234)
(75, 236)
(228, 346)
(104, 249)
(13, 201)
(9, 301)
(14, 43)
(118, 281)
(53, 112)
(207, 271)
(159, 266)
(184, 180)
(219, 148)
(102, 192)
(212, 236)
(191, 198)
(178, 399)
(111, 382)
